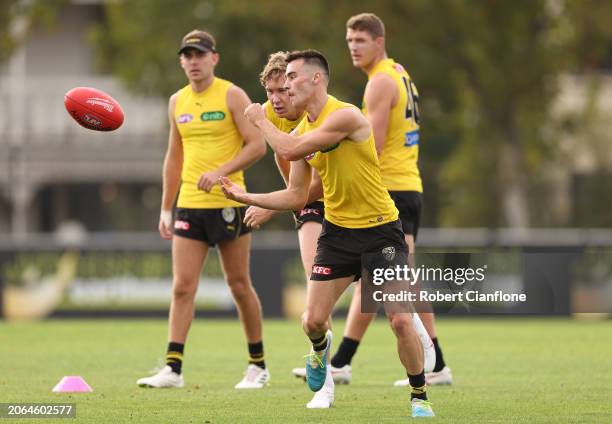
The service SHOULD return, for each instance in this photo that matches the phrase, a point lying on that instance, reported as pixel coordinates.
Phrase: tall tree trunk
(514, 203)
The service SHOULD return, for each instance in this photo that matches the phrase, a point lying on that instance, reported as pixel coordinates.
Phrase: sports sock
(345, 353)
(417, 383)
(256, 355)
(440, 364)
(319, 344)
(174, 356)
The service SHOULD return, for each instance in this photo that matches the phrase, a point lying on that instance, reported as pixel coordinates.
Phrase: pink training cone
(72, 383)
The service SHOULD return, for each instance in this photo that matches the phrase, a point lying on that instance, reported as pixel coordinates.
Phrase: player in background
(361, 221)
(209, 137)
(391, 105)
(309, 219)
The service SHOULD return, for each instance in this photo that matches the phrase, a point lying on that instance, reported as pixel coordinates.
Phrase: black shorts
(210, 225)
(409, 204)
(342, 252)
(312, 212)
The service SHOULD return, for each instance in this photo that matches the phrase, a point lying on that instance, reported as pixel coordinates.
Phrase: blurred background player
(285, 116)
(391, 105)
(209, 137)
(361, 221)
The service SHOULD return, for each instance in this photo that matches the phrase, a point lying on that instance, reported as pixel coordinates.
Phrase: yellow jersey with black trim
(354, 194)
(400, 154)
(210, 139)
(283, 124)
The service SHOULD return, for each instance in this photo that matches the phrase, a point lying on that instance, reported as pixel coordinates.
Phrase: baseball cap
(199, 40)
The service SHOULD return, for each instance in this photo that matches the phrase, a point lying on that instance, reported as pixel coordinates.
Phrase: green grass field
(505, 370)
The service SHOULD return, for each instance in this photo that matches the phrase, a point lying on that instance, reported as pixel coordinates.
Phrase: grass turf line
(505, 370)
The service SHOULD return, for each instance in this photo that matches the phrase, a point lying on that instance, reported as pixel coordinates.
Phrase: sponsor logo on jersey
(412, 138)
(213, 116)
(184, 118)
(181, 225)
(94, 101)
(330, 148)
(399, 68)
(321, 270)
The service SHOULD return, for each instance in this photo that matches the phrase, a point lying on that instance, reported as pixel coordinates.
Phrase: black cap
(198, 40)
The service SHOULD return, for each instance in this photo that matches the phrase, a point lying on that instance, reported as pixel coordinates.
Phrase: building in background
(52, 171)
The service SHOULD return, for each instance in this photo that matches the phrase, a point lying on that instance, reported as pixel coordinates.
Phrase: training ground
(506, 370)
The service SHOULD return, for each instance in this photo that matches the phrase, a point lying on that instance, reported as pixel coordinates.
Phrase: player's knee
(400, 323)
(183, 288)
(240, 287)
(313, 323)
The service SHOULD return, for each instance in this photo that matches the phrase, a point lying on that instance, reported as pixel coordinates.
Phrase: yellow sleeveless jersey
(400, 154)
(210, 139)
(283, 124)
(352, 188)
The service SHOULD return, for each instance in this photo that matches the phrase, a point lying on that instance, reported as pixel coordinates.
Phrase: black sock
(320, 343)
(174, 356)
(417, 383)
(345, 353)
(256, 354)
(439, 358)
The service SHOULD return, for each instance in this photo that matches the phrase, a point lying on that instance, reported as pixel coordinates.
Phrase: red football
(93, 109)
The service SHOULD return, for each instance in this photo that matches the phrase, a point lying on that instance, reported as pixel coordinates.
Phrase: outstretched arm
(292, 198)
(339, 125)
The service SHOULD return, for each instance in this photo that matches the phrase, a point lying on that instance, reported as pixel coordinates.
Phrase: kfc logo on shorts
(307, 211)
(321, 270)
(181, 225)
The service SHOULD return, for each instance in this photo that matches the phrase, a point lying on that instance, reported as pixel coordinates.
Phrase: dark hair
(367, 22)
(311, 57)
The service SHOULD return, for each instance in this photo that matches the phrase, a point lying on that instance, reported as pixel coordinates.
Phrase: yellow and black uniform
(283, 124)
(314, 211)
(210, 139)
(361, 220)
(400, 154)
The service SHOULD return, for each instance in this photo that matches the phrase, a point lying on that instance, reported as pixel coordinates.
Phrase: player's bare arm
(315, 191)
(380, 96)
(341, 124)
(255, 216)
(254, 147)
(283, 166)
(292, 198)
(173, 165)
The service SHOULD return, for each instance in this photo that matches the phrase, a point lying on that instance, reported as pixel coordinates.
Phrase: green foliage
(18, 16)
(488, 74)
